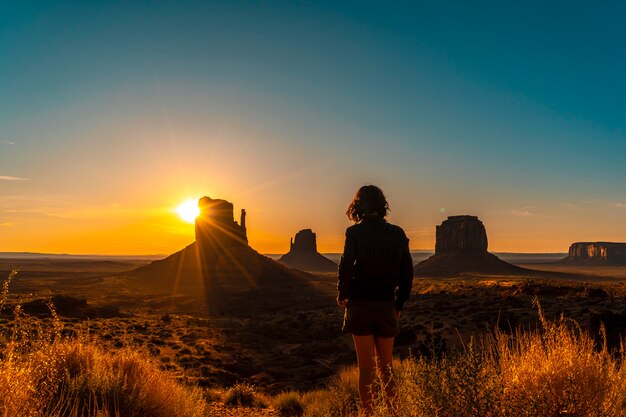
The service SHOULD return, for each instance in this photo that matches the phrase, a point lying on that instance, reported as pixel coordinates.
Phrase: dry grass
(243, 395)
(44, 374)
(556, 371)
(288, 404)
(341, 398)
(559, 372)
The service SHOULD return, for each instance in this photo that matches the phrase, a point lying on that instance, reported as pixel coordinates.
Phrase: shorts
(365, 317)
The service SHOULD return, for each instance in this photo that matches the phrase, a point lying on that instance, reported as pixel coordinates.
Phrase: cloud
(10, 178)
(424, 231)
(523, 211)
(620, 205)
(8, 142)
(7, 224)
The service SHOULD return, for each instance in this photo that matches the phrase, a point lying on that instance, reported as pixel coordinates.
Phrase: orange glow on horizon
(147, 223)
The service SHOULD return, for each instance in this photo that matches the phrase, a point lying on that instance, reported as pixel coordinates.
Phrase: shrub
(125, 382)
(340, 398)
(242, 395)
(559, 372)
(289, 404)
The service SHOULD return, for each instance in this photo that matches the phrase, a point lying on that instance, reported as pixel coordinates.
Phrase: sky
(113, 113)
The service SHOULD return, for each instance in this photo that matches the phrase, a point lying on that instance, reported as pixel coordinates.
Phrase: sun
(188, 211)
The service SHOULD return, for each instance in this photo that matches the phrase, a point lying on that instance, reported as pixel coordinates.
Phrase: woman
(374, 281)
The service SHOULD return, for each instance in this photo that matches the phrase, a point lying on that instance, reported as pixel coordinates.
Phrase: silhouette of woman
(374, 281)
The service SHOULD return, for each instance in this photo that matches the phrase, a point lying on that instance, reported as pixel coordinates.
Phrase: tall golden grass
(554, 371)
(44, 374)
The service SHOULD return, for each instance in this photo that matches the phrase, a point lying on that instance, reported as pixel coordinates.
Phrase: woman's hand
(342, 303)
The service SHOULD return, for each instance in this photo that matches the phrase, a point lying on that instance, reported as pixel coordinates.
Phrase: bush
(242, 395)
(340, 398)
(559, 372)
(289, 404)
(124, 382)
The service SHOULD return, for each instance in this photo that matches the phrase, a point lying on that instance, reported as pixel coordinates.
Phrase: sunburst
(188, 211)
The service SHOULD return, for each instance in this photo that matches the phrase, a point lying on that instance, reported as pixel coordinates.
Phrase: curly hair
(368, 202)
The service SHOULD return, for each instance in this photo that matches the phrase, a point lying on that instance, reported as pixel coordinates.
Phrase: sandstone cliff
(596, 253)
(461, 247)
(303, 254)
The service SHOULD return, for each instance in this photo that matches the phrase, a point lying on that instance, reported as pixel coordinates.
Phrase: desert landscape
(301, 348)
(253, 321)
(197, 199)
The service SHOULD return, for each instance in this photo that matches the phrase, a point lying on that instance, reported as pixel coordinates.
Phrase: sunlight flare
(188, 211)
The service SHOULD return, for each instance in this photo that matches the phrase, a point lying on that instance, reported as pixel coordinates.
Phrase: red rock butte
(215, 226)
(303, 254)
(461, 234)
(461, 247)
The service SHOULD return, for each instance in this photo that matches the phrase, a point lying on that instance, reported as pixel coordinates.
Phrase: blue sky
(515, 113)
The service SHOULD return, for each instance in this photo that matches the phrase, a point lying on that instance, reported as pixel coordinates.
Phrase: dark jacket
(376, 263)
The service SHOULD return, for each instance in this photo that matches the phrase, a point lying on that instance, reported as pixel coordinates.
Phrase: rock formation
(305, 241)
(215, 226)
(596, 253)
(303, 254)
(222, 267)
(461, 234)
(461, 247)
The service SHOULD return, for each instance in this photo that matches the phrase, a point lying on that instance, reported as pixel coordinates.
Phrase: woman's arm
(346, 267)
(405, 283)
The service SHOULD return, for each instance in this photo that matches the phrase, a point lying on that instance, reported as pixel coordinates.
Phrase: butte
(303, 254)
(223, 269)
(461, 247)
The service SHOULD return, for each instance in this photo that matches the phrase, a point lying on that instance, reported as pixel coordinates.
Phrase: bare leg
(366, 358)
(384, 349)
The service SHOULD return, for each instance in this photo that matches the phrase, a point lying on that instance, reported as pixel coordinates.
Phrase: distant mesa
(461, 247)
(233, 277)
(303, 254)
(596, 253)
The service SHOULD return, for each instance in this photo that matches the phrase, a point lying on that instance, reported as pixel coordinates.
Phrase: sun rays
(188, 211)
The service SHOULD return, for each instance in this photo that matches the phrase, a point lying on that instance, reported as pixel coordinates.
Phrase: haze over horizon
(112, 114)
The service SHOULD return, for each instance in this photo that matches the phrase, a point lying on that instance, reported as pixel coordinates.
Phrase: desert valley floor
(297, 344)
